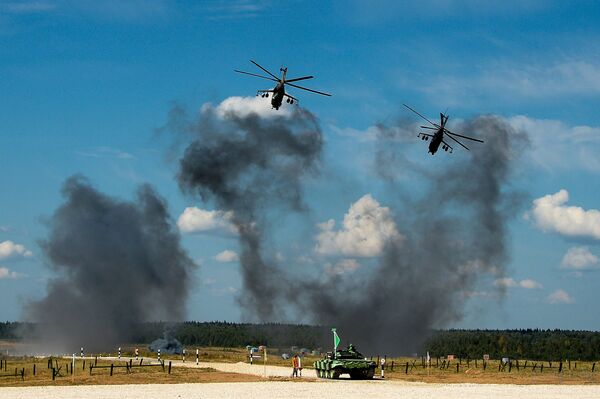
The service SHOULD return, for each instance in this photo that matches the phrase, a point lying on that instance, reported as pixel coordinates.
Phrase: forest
(534, 344)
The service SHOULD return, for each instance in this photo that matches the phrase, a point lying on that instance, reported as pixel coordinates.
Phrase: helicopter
(279, 90)
(437, 138)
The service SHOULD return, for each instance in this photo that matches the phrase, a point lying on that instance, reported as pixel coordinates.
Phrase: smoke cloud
(452, 228)
(119, 263)
(250, 165)
(452, 236)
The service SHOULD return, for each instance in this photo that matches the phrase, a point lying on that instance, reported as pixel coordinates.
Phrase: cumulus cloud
(579, 258)
(509, 282)
(550, 213)
(559, 297)
(6, 273)
(241, 107)
(9, 249)
(227, 256)
(366, 228)
(197, 220)
(530, 284)
(344, 266)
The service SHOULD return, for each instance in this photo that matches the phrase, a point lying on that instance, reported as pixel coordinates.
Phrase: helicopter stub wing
(292, 97)
(424, 136)
(448, 145)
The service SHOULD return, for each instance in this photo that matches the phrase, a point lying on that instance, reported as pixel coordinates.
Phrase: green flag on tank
(336, 339)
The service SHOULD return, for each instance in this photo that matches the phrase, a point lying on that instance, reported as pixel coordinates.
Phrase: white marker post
(197, 357)
(137, 352)
(73, 365)
(119, 352)
(82, 352)
(382, 367)
(159, 355)
(183, 354)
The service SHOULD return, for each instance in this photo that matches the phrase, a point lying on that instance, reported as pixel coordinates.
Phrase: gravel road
(304, 390)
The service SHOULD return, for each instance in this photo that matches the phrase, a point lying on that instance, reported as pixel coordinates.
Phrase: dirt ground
(292, 390)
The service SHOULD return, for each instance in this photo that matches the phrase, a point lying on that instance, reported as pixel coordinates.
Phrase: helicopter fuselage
(278, 94)
(436, 140)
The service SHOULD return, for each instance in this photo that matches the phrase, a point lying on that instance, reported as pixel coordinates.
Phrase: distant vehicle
(441, 132)
(279, 90)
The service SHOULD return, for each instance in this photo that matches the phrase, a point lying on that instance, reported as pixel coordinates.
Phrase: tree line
(534, 344)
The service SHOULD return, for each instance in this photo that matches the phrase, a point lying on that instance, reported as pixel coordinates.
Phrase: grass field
(101, 376)
(577, 373)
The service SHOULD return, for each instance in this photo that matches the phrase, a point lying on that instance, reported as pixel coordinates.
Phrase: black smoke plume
(454, 235)
(250, 165)
(118, 263)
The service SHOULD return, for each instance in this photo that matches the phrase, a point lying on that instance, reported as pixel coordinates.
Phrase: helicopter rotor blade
(464, 146)
(460, 135)
(269, 73)
(434, 124)
(253, 74)
(429, 127)
(297, 79)
(307, 89)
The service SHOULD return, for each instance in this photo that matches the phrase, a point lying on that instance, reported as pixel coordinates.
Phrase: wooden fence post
(457, 366)
(593, 366)
(111, 369)
(169, 367)
(33, 368)
(53, 374)
(23, 374)
(560, 367)
(406, 371)
(542, 368)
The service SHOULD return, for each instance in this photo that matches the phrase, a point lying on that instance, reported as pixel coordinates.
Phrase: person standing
(295, 366)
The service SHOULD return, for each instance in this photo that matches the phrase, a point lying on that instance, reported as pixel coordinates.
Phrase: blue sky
(85, 85)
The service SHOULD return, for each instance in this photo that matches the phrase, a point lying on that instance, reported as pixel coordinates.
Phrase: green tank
(348, 361)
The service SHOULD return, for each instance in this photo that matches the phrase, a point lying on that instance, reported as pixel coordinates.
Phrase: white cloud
(208, 281)
(579, 258)
(227, 256)
(509, 282)
(530, 284)
(522, 81)
(244, 106)
(9, 249)
(366, 228)
(196, 220)
(6, 273)
(552, 139)
(506, 282)
(551, 214)
(105, 152)
(27, 7)
(560, 296)
(344, 266)
(224, 291)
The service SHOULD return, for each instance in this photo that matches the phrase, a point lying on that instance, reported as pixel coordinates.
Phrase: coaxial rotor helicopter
(279, 90)
(441, 132)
